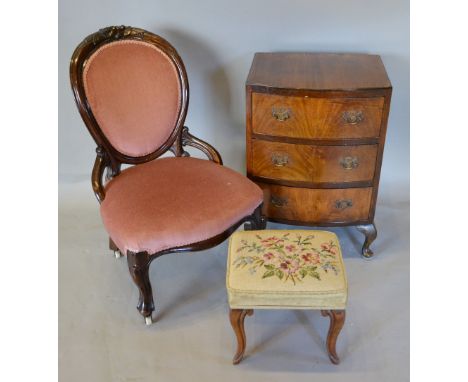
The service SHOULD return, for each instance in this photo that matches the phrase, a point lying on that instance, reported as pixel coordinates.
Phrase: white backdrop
(217, 40)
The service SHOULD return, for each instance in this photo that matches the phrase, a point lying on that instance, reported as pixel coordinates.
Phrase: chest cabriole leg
(370, 232)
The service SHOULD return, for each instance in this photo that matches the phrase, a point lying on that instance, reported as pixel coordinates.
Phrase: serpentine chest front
(316, 126)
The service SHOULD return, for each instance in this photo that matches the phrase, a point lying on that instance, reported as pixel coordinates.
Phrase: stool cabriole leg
(237, 317)
(337, 318)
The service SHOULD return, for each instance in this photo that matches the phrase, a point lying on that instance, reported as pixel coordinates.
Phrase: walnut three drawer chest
(316, 126)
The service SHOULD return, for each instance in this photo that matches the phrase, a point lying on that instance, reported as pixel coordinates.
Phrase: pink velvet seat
(172, 202)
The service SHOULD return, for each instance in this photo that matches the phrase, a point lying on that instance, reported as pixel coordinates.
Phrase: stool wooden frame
(337, 318)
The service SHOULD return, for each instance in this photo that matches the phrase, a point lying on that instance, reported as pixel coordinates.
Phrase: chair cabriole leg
(337, 318)
(237, 317)
(138, 265)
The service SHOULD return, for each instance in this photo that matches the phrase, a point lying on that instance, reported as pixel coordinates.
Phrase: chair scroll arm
(100, 165)
(190, 140)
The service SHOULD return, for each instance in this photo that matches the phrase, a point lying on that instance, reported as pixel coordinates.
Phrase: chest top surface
(318, 71)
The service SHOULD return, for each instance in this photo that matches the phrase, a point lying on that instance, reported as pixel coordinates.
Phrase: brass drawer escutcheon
(353, 117)
(281, 114)
(343, 204)
(349, 163)
(279, 160)
(278, 201)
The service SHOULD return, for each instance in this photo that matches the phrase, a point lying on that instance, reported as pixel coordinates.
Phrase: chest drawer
(316, 205)
(310, 163)
(316, 118)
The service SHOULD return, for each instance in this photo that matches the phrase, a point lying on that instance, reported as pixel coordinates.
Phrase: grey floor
(103, 338)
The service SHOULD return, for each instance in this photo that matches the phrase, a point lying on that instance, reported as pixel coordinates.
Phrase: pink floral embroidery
(287, 257)
(268, 257)
(272, 241)
(313, 258)
(329, 247)
(290, 266)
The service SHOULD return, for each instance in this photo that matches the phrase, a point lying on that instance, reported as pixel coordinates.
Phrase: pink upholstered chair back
(132, 91)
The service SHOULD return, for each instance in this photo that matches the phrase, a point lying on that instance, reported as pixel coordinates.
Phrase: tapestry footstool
(286, 269)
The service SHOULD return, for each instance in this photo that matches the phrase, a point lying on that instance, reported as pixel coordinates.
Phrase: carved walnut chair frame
(109, 160)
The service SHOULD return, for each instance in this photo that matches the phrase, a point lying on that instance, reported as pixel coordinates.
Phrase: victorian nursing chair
(132, 92)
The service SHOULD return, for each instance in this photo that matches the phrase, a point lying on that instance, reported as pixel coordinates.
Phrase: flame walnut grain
(316, 205)
(313, 163)
(318, 71)
(305, 112)
(317, 118)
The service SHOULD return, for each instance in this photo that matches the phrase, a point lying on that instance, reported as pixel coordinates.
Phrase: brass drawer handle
(353, 117)
(279, 160)
(281, 114)
(349, 163)
(343, 204)
(278, 201)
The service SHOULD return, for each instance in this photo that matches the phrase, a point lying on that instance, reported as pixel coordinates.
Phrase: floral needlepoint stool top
(287, 256)
(295, 268)
(286, 269)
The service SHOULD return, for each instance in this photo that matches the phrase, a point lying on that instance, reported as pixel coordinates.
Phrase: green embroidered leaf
(279, 273)
(303, 272)
(269, 266)
(314, 274)
(268, 274)
(310, 268)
